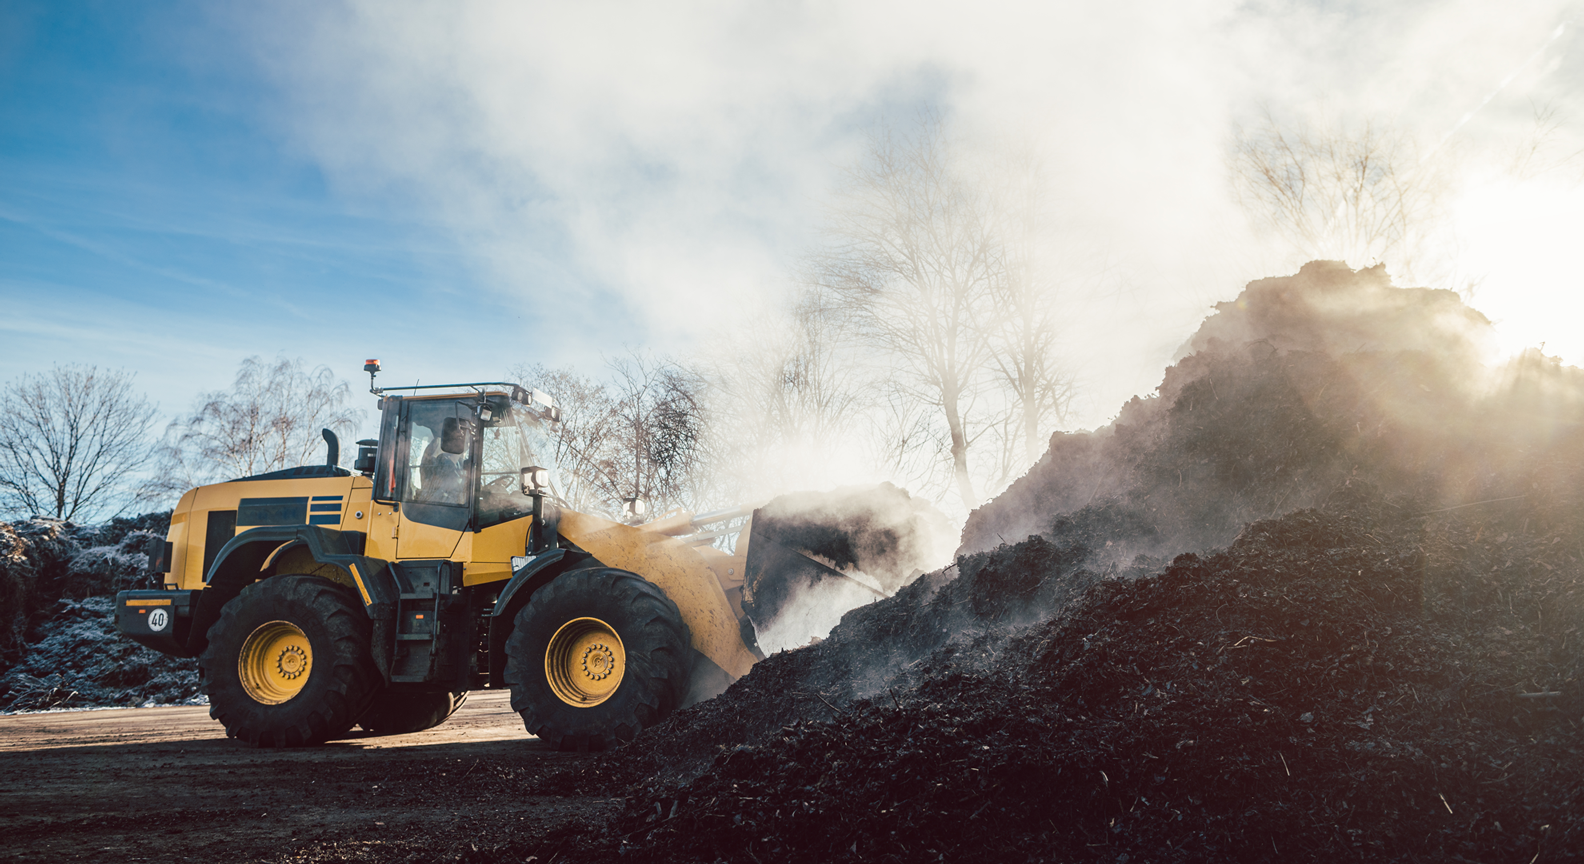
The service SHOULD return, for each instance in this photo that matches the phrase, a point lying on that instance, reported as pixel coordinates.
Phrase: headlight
(535, 478)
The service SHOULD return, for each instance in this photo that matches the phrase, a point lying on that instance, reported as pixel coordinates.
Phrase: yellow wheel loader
(317, 599)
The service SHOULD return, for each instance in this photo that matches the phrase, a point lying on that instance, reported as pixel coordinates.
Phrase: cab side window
(440, 441)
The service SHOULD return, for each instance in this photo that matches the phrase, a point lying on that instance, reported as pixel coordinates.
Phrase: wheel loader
(319, 598)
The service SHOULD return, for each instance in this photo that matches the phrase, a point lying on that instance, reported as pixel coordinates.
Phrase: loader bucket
(813, 556)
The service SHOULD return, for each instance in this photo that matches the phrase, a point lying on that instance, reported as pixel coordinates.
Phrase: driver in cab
(445, 464)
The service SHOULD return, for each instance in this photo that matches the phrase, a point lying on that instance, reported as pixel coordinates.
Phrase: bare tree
(582, 438)
(72, 442)
(660, 421)
(1362, 196)
(911, 446)
(914, 256)
(787, 393)
(1030, 312)
(639, 435)
(1547, 149)
(269, 419)
(807, 391)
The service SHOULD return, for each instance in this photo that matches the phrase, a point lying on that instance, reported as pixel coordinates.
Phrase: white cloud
(648, 171)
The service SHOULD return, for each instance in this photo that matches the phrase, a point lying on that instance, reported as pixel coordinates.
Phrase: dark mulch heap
(81, 661)
(1331, 686)
(58, 643)
(1382, 664)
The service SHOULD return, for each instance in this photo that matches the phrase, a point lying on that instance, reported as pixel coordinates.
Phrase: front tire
(595, 657)
(288, 662)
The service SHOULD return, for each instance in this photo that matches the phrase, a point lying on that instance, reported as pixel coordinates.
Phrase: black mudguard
(238, 563)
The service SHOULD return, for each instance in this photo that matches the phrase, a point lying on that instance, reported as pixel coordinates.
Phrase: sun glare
(1519, 238)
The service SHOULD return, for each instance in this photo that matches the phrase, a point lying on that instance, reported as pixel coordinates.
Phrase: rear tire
(288, 662)
(595, 657)
(400, 712)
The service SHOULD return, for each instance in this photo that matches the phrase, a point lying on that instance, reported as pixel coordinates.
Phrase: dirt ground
(165, 784)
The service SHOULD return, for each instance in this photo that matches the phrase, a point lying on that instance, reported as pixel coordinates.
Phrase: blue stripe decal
(333, 519)
(324, 508)
(327, 497)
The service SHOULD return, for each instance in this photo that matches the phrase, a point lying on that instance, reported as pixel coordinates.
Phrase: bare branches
(1361, 195)
(585, 478)
(785, 397)
(72, 442)
(269, 419)
(659, 417)
(1546, 148)
(640, 435)
(1032, 309)
(926, 328)
(946, 267)
(914, 258)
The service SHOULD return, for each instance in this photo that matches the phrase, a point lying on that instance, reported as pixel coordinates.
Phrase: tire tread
(350, 684)
(658, 662)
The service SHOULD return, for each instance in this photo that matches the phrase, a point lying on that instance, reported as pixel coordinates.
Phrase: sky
(458, 188)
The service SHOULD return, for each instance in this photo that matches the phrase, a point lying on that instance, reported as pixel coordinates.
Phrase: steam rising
(1280, 406)
(817, 608)
(652, 172)
(814, 556)
(1303, 388)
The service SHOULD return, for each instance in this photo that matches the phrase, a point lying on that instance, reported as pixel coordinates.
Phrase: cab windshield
(514, 438)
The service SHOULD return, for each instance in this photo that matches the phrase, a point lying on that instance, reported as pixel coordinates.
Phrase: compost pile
(1320, 597)
(58, 643)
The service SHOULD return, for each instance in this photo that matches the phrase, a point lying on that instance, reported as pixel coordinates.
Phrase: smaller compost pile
(58, 644)
(1321, 597)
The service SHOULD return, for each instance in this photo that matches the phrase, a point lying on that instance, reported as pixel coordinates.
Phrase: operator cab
(465, 461)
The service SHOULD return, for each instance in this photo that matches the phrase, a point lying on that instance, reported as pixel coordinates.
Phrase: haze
(458, 188)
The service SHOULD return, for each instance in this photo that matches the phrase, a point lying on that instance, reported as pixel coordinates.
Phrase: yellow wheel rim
(585, 662)
(275, 662)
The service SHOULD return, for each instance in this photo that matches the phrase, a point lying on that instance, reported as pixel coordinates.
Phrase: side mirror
(552, 411)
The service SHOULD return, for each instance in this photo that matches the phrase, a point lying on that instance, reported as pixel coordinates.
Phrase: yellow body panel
(680, 571)
(357, 515)
(383, 531)
(498, 543)
(418, 540)
(189, 530)
(695, 578)
(728, 569)
(180, 532)
(477, 573)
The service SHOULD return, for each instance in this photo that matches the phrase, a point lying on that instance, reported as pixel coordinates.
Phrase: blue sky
(460, 187)
(153, 219)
